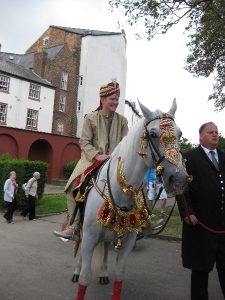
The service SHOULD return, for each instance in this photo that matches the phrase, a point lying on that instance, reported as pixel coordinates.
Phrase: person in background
(31, 195)
(10, 190)
(204, 202)
(153, 186)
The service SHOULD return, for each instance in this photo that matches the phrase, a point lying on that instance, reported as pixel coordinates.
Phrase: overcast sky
(155, 71)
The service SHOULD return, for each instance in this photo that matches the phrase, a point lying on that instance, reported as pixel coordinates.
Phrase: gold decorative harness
(117, 219)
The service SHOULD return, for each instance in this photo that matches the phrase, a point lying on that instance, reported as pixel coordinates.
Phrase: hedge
(69, 167)
(24, 171)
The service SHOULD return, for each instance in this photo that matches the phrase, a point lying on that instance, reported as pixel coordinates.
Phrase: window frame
(39, 92)
(60, 103)
(8, 83)
(60, 123)
(6, 110)
(46, 38)
(78, 106)
(64, 80)
(31, 126)
(81, 80)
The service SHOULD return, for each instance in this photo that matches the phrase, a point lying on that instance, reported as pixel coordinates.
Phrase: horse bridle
(153, 149)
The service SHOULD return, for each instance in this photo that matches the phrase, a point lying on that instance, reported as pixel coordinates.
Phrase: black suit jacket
(205, 198)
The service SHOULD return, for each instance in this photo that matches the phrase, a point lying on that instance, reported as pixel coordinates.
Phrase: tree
(221, 142)
(185, 145)
(206, 30)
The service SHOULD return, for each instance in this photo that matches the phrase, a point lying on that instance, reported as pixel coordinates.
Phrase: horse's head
(159, 147)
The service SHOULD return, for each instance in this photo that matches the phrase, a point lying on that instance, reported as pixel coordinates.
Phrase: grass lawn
(52, 204)
(174, 226)
(57, 203)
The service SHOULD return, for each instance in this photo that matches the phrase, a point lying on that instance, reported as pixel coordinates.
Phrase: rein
(210, 229)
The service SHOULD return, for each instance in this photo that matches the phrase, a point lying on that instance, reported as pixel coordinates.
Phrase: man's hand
(101, 157)
(191, 219)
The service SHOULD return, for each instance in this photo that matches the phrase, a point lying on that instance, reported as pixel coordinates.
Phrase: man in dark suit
(204, 201)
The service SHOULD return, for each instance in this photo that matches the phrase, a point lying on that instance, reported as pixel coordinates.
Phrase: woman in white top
(10, 190)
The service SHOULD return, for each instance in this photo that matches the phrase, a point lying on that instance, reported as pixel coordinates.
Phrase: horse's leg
(87, 247)
(76, 273)
(128, 245)
(103, 276)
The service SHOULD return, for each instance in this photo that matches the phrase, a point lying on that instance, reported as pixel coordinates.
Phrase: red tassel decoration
(117, 290)
(81, 292)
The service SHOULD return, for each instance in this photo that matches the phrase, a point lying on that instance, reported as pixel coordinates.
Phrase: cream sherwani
(100, 134)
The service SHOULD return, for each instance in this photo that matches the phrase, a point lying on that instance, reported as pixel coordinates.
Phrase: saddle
(82, 186)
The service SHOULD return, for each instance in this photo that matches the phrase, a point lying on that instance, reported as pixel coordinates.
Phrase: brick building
(77, 62)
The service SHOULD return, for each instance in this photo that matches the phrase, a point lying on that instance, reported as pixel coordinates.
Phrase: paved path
(35, 265)
(51, 189)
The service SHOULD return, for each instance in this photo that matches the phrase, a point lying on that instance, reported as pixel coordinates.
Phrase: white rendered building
(103, 59)
(26, 100)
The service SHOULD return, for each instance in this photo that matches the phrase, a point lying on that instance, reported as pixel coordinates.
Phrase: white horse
(153, 142)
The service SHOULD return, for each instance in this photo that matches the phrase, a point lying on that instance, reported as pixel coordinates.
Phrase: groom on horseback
(102, 131)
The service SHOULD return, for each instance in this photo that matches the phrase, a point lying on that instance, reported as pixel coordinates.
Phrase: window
(34, 92)
(60, 127)
(63, 81)
(78, 106)
(4, 83)
(32, 118)
(3, 113)
(45, 41)
(81, 79)
(62, 103)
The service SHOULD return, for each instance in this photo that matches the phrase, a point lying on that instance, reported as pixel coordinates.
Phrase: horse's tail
(99, 260)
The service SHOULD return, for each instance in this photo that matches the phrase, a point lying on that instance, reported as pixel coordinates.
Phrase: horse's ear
(146, 112)
(173, 108)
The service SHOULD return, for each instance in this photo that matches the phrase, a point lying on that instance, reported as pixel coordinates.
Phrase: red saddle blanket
(80, 179)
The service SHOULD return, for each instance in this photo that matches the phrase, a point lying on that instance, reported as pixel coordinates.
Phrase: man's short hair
(36, 174)
(12, 172)
(203, 126)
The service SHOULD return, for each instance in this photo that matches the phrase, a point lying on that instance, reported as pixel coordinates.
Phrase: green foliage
(207, 48)
(5, 156)
(69, 167)
(185, 145)
(206, 30)
(24, 170)
(221, 142)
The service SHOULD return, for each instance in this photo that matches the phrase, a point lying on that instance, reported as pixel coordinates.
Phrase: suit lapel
(207, 158)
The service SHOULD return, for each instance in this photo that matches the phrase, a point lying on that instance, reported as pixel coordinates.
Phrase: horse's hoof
(75, 278)
(103, 280)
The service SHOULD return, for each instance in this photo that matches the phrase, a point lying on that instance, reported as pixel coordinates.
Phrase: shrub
(24, 170)
(69, 167)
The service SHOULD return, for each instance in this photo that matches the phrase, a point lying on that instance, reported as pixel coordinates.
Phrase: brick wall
(56, 37)
(67, 60)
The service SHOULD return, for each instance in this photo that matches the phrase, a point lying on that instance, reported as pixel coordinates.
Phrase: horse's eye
(153, 134)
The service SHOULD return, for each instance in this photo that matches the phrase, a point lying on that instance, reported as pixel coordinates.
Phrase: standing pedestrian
(31, 195)
(153, 187)
(10, 190)
(204, 203)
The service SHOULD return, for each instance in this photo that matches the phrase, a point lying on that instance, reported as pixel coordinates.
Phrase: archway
(42, 150)
(70, 152)
(9, 145)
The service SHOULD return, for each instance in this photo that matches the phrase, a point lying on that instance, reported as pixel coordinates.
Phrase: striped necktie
(213, 159)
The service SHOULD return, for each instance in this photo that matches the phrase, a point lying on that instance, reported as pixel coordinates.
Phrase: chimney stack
(40, 60)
